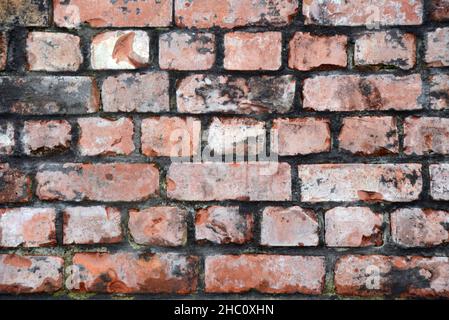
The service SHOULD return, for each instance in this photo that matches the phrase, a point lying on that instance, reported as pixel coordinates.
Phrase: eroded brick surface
(233, 13)
(365, 182)
(3, 50)
(439, 173)
(30, 274)
(439, 91)
(353, 227)
(439, 10)
(223, 225)
(7, 142)
(292, 226)
(100, 182)
(426, 135)
(232, 94)
(378, 275)
(28, 227)
(264, 273)
(91, 225)
(41, 137)
(15, 184)
(159, 226)
(131, 272)
(437, 48)
(24, 13)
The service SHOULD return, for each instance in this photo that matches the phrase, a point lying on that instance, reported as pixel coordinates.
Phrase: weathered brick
(439, 10)
(24, 13)
(439, 176)
(99, 136)
(252, 51)
(98, 182)
(136, 92)
(232, 94)
(365, 182)
(369, 135)
(371, 13)
(180, 50)
(15, 184)
(170, 136)
(246, 135)
(293, 226)
(30, 274)
(234, 13)
(354, 92)
(426, 135)
(249, 181)
(389, 275)
(223, 225)
(3, 50)
(300, 136)
(308, 51)
(159, 226)
(106, 13)
(353, 227)
(50, 51)
(439, 91)
(44, 137)
(437, 48)
(134, 272)
(7, 142)
(27, 227)
(265, 273)
(120, 50)
(415, 227)
(387, 48)
(91, 225)
(48, 95)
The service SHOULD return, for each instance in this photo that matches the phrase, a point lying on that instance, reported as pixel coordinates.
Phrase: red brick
(106, 13)
(27, 227)
(99, 136)
(353, 227)
(426, 135)
(7, 141)
(43, 137)
(248, 181)
(293, 226)
(353, 92)
(91, 225)
(170, 136)
(265, 273)
(439, 91)
(439, 10)
(126, 272)
(120, 50)
(180, 50)
(437, 48)
(415, 227)
(301, 136)
(98, 182)
(371, 13)
(50, 51)
(246, 135)
(386, 275)
(30, 274)
(15, 185)
(308, 51)
(136, 92)
(387, 48)
(201, 93)
(46, 95)
(252, 51)
(159, 226)
(439, 176)
(369, 135)
(223, 225)
(3, 50)
(24, 13)
(234, 13)
(360, 182)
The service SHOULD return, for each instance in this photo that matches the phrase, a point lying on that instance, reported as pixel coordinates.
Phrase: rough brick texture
(240, 149)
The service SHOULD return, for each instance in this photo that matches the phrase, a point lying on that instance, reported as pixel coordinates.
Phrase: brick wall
(205, 148)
